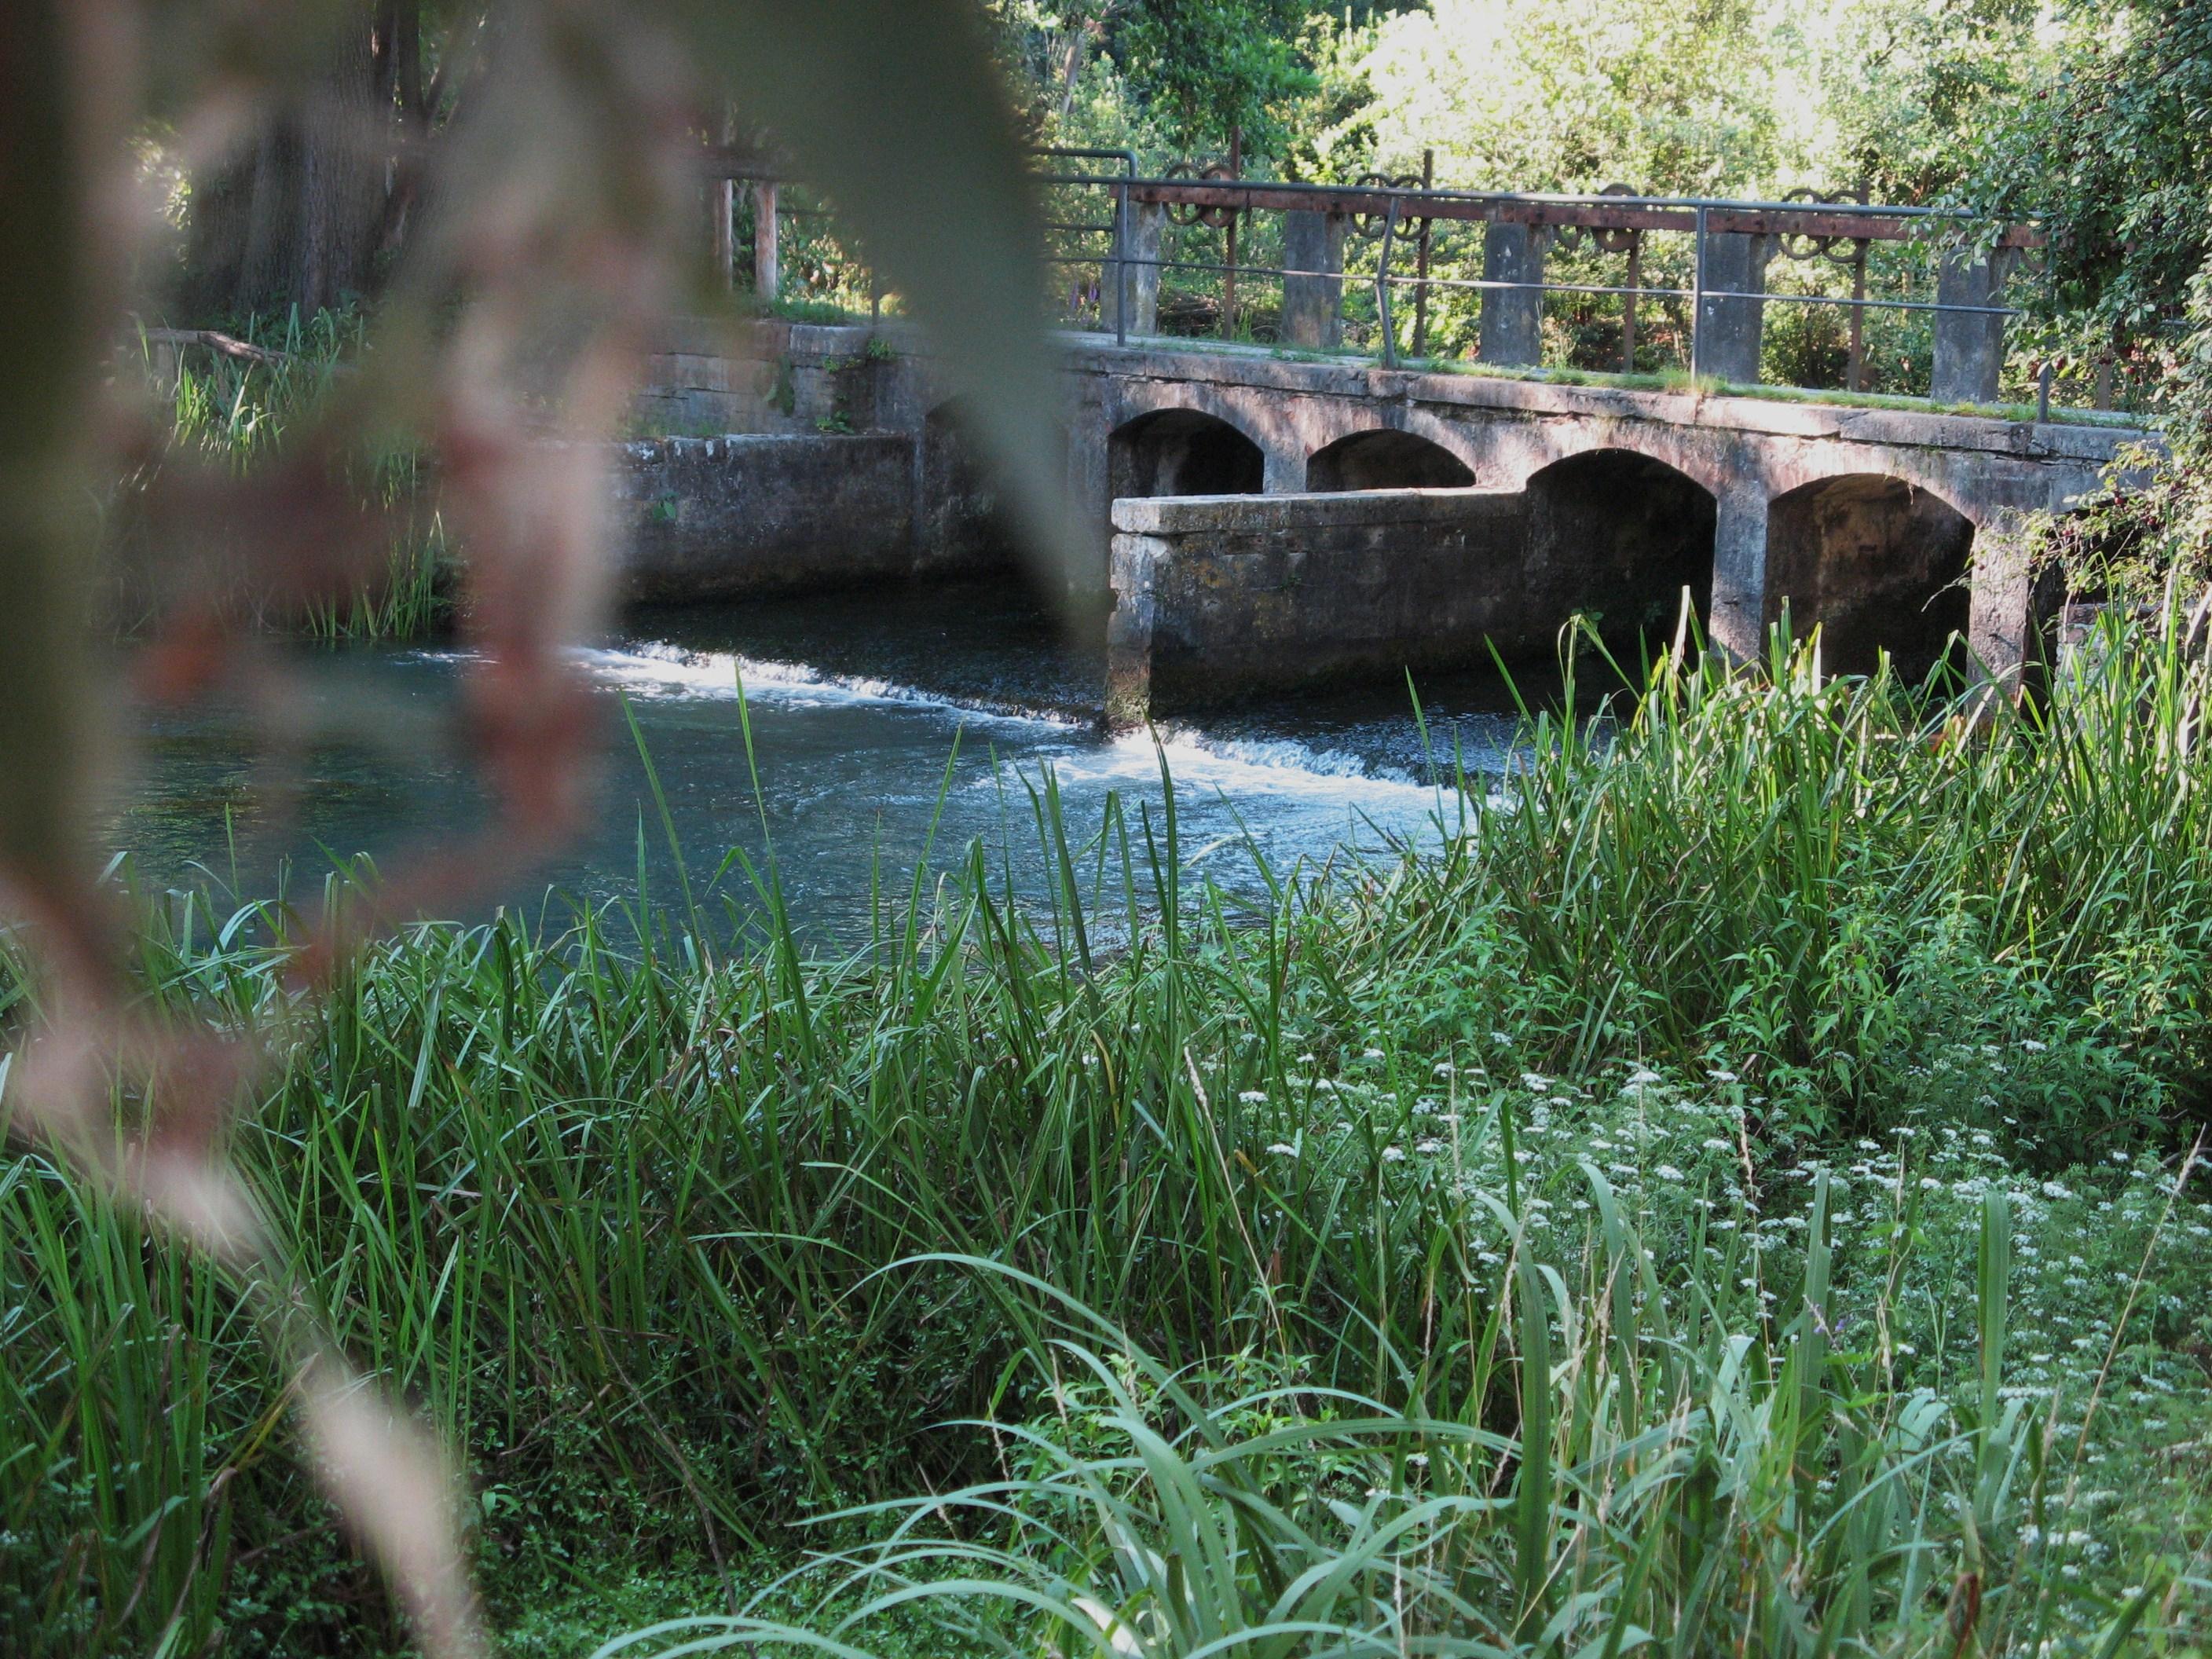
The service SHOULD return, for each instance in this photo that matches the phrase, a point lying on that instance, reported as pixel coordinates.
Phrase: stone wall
(1217, 597)
(720, 518)
(806, 380)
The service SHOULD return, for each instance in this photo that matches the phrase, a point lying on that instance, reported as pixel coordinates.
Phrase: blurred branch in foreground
(555, 214)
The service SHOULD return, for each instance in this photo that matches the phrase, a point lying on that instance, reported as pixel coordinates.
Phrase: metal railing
(1397, 212)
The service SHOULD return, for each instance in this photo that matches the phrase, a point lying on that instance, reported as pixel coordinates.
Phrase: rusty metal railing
(1799, 229)
(1396, 212)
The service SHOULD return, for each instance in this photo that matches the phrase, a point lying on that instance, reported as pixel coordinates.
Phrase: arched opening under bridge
(1183, 451)
(1878, 563)
(1618, 535)
(1386, 460)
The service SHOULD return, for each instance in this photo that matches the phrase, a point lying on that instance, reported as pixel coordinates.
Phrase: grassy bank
(1735, 1199)
(233, 407)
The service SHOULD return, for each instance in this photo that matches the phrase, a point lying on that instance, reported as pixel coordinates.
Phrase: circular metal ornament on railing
(1217, 218)
(1615, 240)
(1369, 225)
(1568, 239)
(1837, 250)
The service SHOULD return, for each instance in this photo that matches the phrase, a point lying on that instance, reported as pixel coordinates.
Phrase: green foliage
(239, 413)
(1763, 989)
(1905, 88)
(1216, 66)
(1179, 76)
(2112, 153)
(1530, 95)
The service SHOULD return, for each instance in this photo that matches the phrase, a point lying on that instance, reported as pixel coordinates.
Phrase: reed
(1728, 1199)
(236, 412)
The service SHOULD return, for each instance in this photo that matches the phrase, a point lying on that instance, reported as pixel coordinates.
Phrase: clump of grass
(1712, 1471)
(1825, 871)
(235, 413)
(1743, 1163)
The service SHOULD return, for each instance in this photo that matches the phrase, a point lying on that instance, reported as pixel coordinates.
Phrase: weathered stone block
(1313, 303)
(719, 517)
(1141, 279)
(1513, 318)
(1969, 344)
(1732, 329)
(1219, 597)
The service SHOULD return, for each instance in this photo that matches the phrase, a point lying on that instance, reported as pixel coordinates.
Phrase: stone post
(1313, 305)
(1737, 621)
(1969, 345)
(1729, 330)
(722, 208)
(2001, 630)
(1129, 630)
(1513, 318)
(1141, 276)
(768, 259)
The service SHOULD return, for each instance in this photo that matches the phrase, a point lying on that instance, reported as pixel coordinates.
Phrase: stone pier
(1217, 597)
(1313, 290)
(1512, 327)
(1731, 328)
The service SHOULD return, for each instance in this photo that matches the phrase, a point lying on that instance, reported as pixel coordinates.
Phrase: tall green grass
(1725, 1199)
(238, 414)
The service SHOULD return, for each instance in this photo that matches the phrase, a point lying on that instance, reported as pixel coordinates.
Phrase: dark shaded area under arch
(1386, 460)
(1618, 535)
(1878, 563)
(1181, 451)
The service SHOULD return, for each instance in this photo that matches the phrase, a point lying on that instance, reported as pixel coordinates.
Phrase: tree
(2111, 152)
(1187, 73)
(1216, 67)
(1901, 88)
(1549, 94)
(323, 190)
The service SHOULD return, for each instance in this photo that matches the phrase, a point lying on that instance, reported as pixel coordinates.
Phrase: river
(888, 732)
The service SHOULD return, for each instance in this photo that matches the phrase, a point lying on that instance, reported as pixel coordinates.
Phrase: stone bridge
(1264, 518)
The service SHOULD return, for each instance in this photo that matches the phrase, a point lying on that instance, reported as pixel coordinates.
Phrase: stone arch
(1385, 459)
(1619, 534)
(1880, 562)
(1518, 451)
(1183, 451)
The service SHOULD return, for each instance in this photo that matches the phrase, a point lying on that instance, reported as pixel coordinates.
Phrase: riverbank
(1739, 1188)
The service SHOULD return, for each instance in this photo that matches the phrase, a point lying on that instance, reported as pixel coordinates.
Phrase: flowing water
(888, 732)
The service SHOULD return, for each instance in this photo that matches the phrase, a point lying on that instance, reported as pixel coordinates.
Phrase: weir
(1263, 521)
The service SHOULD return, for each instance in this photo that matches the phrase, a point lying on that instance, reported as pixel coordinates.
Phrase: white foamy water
(1196, 758)
(656, 669)
(1241, 769)
(1290, 798)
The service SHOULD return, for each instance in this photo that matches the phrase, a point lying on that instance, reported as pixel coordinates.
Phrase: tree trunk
(345, 144)
(299, 219)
